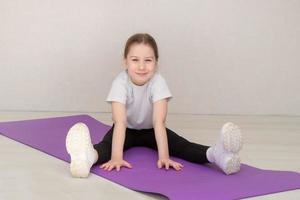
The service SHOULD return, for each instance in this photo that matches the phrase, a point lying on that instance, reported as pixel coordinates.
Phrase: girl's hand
(110, 165)
(169, 163)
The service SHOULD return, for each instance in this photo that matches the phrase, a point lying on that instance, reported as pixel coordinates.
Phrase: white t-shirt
(138, 99)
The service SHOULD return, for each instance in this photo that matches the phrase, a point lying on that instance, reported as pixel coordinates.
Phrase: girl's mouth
(141, 74)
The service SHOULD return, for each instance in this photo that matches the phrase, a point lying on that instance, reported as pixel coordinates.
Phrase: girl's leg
(103, 148)
(224, 153)
(178, 146)
(182, 148)
(84, 155)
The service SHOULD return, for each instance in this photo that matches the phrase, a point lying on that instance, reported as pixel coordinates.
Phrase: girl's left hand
(167, 162)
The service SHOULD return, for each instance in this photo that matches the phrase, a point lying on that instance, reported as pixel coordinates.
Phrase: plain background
(231, 57)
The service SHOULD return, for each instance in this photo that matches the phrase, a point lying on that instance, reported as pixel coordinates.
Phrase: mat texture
(193, 182)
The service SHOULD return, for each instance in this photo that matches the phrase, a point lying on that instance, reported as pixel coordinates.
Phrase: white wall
(219, 57)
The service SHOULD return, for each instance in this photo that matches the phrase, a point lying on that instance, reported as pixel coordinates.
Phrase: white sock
(209, 155)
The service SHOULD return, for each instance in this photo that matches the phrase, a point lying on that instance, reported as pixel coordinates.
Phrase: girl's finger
(179, 167)
(175, 166)
(111, 167)
(167, 165)
(107, 167)
(128, 165)
(159, 165)
(102, 166)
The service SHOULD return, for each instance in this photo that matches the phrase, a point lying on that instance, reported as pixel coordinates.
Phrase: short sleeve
(117, 92)
(160, 89)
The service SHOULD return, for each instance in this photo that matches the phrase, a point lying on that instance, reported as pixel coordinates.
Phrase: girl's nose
(141, 65)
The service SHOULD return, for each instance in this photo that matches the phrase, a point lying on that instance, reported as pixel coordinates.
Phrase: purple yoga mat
(193, 182)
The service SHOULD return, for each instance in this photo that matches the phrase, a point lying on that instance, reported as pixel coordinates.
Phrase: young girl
(139, 98)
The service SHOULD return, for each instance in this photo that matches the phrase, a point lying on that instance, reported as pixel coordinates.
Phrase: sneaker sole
(78, 145)
(232, 138)
(233, 165)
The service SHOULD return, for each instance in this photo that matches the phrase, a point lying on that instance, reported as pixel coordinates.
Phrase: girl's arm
(119, 118)
(159, 119)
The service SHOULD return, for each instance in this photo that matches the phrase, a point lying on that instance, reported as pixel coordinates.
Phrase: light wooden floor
(271, 142)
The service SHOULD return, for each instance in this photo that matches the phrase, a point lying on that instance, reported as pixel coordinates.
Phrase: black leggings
(178, 146)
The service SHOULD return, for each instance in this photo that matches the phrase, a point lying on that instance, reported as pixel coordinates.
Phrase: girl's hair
(139, 38)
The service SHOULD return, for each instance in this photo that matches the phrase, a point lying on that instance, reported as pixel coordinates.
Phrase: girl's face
(140, 63)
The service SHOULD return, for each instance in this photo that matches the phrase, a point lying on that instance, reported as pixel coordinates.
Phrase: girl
(139, 97)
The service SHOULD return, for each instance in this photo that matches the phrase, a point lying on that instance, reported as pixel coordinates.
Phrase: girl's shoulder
(157, 79)
(121, 78)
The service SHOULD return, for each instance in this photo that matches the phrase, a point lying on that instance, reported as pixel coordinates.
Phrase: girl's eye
(148, 60)
(134, 60)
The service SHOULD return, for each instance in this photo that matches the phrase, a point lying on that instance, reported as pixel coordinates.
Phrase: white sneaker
(231, 137)
(225, 153)
(79, 146)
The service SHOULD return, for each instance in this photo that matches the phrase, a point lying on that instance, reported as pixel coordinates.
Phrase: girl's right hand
(110, 165)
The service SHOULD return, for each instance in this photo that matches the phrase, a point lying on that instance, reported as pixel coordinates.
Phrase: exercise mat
(193, 182)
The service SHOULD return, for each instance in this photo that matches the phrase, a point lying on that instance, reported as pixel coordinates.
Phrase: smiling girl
(139, 98)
